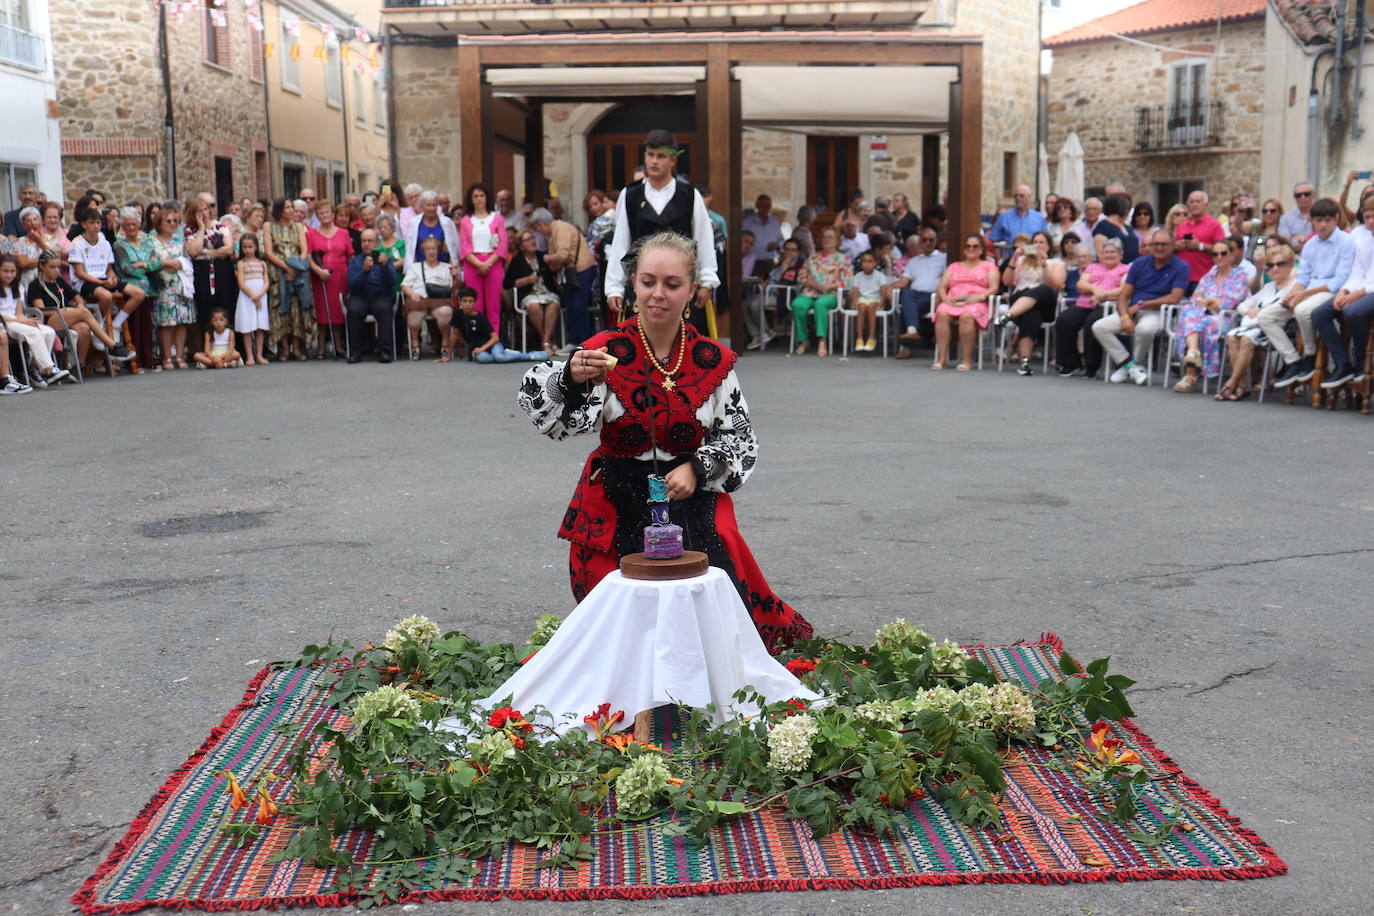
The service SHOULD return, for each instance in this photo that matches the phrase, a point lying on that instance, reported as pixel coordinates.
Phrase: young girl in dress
(218, 351)
(250, 317)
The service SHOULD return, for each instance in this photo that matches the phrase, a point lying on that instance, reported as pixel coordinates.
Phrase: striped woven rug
(174, 856)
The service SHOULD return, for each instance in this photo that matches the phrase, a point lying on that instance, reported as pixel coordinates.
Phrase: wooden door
(832, 168)
(613, 158)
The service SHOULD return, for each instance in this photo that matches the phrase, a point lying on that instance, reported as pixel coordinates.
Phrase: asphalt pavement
(165, 536)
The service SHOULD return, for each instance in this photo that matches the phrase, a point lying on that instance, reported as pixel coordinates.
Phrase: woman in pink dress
(330, 247)
(963, 295)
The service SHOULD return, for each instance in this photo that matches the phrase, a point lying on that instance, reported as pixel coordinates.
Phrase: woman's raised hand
(590, 365)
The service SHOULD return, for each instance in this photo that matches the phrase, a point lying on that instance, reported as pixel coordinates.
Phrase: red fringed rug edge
(1273, 867)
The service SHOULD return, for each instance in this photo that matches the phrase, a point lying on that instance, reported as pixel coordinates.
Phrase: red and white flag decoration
(361, 36)
(293, 27)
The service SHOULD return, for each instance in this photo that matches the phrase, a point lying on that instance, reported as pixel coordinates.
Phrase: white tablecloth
(638, 644)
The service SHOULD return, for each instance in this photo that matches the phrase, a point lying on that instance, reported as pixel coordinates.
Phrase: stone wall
(426, 129)
(109, 90)
(1096, 88)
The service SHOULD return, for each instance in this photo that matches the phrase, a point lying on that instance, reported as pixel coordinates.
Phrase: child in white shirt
(93, 272)
(871, 288)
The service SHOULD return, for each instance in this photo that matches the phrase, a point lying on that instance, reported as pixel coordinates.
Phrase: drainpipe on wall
(169, 119)
(1333, 104)
(1355, 130)
(343, 107)
(387, 65)
(267, 119)
(1314, 119)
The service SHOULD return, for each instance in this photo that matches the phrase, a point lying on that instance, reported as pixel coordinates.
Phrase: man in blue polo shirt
(1019, 219)
(1152, 283)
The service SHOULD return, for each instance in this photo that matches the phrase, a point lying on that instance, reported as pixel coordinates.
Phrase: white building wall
(31, 137)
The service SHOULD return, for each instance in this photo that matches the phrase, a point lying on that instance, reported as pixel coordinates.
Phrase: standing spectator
(920, 278)
(330, 247)
(1325, 266)
(210, 245)
(411, 213)
(1352, 307)
(1063, 218)
(28, 197)
(881, 216)
(434, 224)
(92, 260)
(1195, 236)
(962, 299)
(1084, 228)
(174, 310)
(389, 201)
(854, 242)
(54, 236)
(1201, 322)
(311, 221)
(767, 235)
(1113, 225)
(250, 315)
(1174, 218)
(1297, 223)
(393, 245)
(1151, 284)
(31, 245)
(136, 265)
(1098, 283)
(371, 291)
(483, 248)
(1352, 216)
(806, 216)
(1019, 219)
(827, 274)
(1143, 224)
(904, 218)
(571, 259)
(292, 306)
(510, 215)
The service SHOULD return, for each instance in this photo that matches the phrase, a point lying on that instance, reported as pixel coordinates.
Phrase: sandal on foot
(1226, 393)
(821, 349)
(800, 350)
(963, 367)
(937, 366)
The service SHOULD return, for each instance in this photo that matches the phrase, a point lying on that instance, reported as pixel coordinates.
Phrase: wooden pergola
(720, 127)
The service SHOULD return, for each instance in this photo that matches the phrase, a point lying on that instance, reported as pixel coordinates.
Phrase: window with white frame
(290, 50)
(378, 104)
(333, 77)
(12, 178)
(355, 95)
(1187, 102)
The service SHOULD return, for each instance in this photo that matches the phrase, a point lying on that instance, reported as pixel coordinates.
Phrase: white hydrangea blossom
(418, 628)
(1012, 712)
(789, 743)
(644, 780)
(544, 628)
(880, 712)
(902, 635)
(942, 698)
(385, 703)
(977, 700)
(948, 658)
(492, 749)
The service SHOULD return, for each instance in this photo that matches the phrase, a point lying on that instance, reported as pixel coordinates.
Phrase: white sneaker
(14, 386)
(1139, 374)
(57, 375)
(1122, 373)
(768, 335)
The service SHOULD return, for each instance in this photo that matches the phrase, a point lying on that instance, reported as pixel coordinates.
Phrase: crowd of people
(408, 273)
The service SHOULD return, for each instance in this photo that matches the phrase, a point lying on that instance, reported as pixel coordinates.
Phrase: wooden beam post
(476, 154)
(721, 161)
(966, 165)
(930, 172)
(534, 154)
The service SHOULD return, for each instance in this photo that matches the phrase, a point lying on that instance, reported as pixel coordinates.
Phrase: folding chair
(523, 314)
(1107, 357)
(1171, 315)
(69, 342)
(830, 327)
(785, 307)
(850, 318)
(1047, 334)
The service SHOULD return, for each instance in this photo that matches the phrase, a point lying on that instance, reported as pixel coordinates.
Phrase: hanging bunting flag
(293, 28)
(327, 32)
(267, 49)
(219, 19)
(255, 22)
(343, 52)
(296, 52)
(319, 52)
(362, 36)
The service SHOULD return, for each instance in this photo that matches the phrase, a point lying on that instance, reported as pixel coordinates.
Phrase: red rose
(502, 715)
(800, 666)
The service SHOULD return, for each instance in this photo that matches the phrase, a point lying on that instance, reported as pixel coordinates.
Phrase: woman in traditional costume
(665, 401)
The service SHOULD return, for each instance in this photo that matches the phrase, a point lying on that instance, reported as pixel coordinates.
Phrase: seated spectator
(1143, 224)
(1352, 308)
(1351, 217)
(1194, 237)
(806, 215)
(788, 270)
(1115, 210)
(1035, 279)
(1074, 262)
(371, 291)
(1063, 219)
(1242, 340)
(535, 287)
(55, 234)
(1297, 223)
(11, 384)
(1085, 227)
(1099, 282)
(1151, 284)
(30, 246)
(484, 344)
(217, 351)
(1204, 318)
(870, 288)
(880, 243)
(37, 336)
(768, 237)
(920, 278)
(1019, 220)
(962, 298)
(1326, 262)
(1240, 220)
(428, 291)
(854, 242)
(827, 274)
(64, 308)
(92, 262)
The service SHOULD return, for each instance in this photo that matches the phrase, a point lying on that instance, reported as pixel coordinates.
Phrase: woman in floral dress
(291, 314)
(827, 273)
(1206, 316)
(134, 261)
(173, 311)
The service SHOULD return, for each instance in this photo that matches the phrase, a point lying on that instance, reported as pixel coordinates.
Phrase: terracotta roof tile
(1157, 16)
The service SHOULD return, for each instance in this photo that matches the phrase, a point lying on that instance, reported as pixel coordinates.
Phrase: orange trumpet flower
(237, 799)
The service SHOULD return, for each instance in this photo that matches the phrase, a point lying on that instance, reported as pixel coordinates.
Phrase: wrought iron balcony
(22, 47)
(1189, 126)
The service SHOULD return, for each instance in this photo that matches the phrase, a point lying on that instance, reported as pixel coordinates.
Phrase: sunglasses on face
(973, 247)
(1220, 254)
(1302, 194)
(1269, 210)
(1160, 245)
(1273, 264)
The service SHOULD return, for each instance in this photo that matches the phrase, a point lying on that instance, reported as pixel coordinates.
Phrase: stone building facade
(427, 127)
(112, 104)
(1100, 87)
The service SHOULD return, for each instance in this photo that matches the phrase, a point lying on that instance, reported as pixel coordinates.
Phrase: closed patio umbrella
(1069, 181)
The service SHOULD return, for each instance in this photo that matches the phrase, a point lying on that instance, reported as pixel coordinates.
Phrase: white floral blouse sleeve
(558, 407)
(724, 461)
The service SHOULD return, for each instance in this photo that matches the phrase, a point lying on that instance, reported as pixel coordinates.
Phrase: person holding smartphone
(1194, 238)
(1352, 216)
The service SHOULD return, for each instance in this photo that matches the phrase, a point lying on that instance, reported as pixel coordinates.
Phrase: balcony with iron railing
(1193, 125)
(21, 47)
(520, 17)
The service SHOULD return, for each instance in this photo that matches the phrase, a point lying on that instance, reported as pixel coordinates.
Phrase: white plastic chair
(830, 328)
(850, 317)
(524, 312)
(1047, 334)
(1171, 315)
(1107, 356)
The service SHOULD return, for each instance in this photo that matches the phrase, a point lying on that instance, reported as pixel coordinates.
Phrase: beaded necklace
(668, 383)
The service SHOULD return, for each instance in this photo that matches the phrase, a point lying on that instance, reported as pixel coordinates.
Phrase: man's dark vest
(676, 216)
